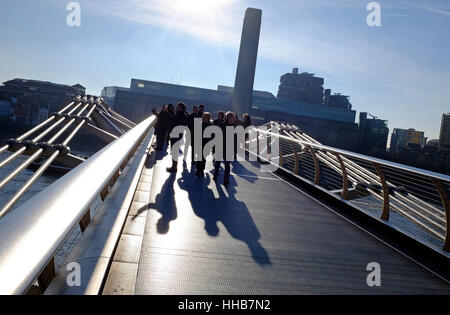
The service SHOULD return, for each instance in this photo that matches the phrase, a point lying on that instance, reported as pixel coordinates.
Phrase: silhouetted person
(170, 114)
(161, 127)
(155, 111)
(230, 121)
(179, 119)
(206, 122)
(171, 109)
(220, 119)
(246, 120)
(201, 110)
(191, 119)
(237, 122)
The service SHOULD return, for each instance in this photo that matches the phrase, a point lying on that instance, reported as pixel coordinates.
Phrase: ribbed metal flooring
(259, 236)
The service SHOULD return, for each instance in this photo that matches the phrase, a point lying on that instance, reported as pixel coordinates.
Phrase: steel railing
(48, 142)
(419, 198)
(33, 232)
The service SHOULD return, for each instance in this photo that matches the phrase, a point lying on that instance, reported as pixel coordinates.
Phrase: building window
(141, 85)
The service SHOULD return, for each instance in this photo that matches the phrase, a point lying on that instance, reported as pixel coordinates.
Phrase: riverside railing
(419, 196)
(32, 233)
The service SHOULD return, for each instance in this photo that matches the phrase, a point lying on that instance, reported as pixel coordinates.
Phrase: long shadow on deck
(234, 214)
(242, 172)
(164, 204)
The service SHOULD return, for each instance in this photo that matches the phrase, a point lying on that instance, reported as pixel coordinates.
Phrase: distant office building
(109, 94)
(248, 52)
(330, 125)
(337, 100)
(402, 139)
(264, 101)
(444, 136)
(373, 135)
(136, 103)
(5, 109)
(42, 88)
(432, 145)
(143, 95)
(398, 140)
(32, 101)
(301, 87)
(41, 115)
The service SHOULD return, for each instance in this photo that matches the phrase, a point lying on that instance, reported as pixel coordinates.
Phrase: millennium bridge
(298, 218)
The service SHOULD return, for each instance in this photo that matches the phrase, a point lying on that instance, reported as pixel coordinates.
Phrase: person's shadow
(241, 171)
(165, 204)
(233, 213)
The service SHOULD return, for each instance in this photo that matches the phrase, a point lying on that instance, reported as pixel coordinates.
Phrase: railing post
(117, 175)
(85, 220)
(104, 193)
(384, 186)
(280, 153)
(47, 275)
(316, 165)
(257, 144)
(344, 176)
(446, 204)
(297, 163)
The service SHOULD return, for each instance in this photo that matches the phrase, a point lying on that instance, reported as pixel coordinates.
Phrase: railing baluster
(47, 275)
(280, 153)
(446, 204)
(85, 220)
(384, 186)
(344, 176)
(316, 165)
(297, 162)
(403, 200)
(257, 145)
(105, 192)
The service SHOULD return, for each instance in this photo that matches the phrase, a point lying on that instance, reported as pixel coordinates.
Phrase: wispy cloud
(438, 11)
(394, 14)
(219, 22)
(206, 20)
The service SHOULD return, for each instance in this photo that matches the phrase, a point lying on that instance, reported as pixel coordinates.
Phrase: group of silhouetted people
(170, 117)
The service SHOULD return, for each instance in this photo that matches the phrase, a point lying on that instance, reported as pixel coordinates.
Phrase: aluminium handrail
(348, 166)
(407, 168)
(32, 233)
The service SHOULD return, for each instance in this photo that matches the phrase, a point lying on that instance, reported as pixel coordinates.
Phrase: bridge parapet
(33, 232)
(415, 199)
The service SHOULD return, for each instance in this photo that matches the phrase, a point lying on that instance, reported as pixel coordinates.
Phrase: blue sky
(399, 71)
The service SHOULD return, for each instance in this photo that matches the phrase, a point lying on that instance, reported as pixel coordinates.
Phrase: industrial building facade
(373, 135)
(330, 125)
(402, 139)
(31, 101)
(444, 136)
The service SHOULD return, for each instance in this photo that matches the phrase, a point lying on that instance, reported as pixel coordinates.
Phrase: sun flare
(199, 6)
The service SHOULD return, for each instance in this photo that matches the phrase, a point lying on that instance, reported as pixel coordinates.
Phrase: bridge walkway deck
(259, 235)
